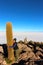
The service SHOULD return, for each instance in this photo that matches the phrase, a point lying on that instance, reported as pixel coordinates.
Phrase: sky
(25, 15)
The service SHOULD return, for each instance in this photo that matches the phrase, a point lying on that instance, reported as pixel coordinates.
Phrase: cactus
(9, 41)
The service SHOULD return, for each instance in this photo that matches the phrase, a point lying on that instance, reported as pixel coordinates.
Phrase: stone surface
(2, 60)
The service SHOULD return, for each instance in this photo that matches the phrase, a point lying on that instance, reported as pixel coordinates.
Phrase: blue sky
(25, 15)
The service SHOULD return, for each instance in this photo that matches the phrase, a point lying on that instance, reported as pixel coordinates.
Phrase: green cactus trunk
(9, 41)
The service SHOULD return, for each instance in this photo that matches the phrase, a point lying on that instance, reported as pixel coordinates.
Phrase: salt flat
(35, 36)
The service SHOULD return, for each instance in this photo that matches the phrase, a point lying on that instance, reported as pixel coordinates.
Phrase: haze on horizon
(34, 36)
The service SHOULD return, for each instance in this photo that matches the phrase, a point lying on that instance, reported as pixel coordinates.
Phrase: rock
(27, 55)
(39, 49)
(2, 60)
(1, 49)
(24, 47)
(39, 54)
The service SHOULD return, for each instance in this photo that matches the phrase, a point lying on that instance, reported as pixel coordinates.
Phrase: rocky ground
(2, 60)
(30, 53)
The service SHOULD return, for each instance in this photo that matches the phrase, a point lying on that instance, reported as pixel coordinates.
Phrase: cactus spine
(9, 41)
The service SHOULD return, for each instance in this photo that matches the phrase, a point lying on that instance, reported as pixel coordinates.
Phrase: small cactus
(9, 41)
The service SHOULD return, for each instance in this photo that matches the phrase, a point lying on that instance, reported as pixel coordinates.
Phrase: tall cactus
(9, 41)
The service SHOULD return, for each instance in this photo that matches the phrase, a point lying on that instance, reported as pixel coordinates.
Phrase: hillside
(27, 54)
